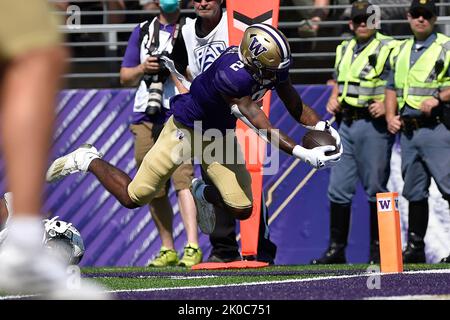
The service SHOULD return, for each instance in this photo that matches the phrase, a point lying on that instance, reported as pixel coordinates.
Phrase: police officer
(418, 88)
(358, 100)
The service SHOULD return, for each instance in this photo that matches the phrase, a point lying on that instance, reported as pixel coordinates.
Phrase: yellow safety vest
(417, 83)
(359, 79)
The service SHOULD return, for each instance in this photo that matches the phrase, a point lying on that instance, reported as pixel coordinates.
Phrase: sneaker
(36, 273)
(192, 255)
(75, 161)
(206, 218)
(165, 258)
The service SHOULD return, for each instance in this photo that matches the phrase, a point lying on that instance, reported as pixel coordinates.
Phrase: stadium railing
(97, 49)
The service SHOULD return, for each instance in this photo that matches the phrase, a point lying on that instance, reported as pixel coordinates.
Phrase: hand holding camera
(154, 76)
(151, 65)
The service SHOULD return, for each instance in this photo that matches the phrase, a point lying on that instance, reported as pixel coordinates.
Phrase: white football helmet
(64, 239)
(265, 50)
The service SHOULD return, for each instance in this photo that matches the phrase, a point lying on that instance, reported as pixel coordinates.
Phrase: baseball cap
(428, 5)
(360, 9)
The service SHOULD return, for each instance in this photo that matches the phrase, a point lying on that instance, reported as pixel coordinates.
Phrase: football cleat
(75, 161)
(206, 217)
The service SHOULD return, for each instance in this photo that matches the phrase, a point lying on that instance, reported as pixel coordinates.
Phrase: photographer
(141, 67)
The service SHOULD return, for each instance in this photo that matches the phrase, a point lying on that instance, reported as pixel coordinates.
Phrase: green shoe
(192, 256)
(166, 257)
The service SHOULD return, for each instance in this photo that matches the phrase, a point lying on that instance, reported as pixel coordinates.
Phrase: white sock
(25, 232)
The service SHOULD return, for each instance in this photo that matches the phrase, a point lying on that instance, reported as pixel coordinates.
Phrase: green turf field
(171, 277)
(301, 282)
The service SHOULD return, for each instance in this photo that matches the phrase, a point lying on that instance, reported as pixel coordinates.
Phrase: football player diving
(238, 77)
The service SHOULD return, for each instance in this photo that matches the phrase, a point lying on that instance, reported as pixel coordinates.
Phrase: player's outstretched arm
(302, 113)
(315, 157)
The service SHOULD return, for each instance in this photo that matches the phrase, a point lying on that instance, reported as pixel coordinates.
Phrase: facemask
(168, 6)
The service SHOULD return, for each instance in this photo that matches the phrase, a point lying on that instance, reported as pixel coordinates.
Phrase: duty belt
(350, 114)
(410, 124)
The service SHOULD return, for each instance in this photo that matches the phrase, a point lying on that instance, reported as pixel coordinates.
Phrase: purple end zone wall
(115, 236)
(301, 230)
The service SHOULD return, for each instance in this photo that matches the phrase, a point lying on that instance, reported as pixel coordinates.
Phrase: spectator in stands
(209, 31)
(417, 103)
(358, 98)
(32, 62)
(141, 67)
(311, 18)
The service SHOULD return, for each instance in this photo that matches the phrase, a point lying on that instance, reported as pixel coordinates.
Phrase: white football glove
(325, 126)
(316, 157)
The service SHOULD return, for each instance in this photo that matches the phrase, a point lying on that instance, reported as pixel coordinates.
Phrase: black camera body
(155, 83)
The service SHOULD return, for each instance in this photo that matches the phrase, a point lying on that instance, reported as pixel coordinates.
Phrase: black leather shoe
(414, 254)
(223, 259)
(335, 254)
(446, 260)
(374, 257)
(415, 249)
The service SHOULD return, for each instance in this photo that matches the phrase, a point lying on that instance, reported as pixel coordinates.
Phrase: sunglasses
(360, 19)
(198, 1)
(425, 14)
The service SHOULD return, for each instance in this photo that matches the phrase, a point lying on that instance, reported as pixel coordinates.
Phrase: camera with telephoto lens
(155, 84)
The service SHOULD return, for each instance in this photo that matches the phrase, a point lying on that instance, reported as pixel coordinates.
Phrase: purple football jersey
(226, 76)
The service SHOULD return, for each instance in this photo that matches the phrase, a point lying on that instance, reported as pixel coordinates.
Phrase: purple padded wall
(115, 236)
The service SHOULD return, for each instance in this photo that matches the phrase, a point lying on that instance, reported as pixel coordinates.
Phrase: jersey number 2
(237, 65)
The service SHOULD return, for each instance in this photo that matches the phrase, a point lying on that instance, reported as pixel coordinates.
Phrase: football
(315, 138)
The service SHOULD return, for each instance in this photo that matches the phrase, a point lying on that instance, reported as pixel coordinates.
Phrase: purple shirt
(131, 59)
(226, 76)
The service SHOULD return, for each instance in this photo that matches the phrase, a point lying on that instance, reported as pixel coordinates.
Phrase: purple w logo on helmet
(256, 48)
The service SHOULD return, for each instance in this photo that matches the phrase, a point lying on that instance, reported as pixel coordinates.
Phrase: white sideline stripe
(156, 276)
(445, 271)
(192, 277)
(17, 297)
(413, 297)
(438, 271)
